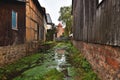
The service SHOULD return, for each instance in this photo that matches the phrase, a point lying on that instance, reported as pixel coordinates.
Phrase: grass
(41, 73)
(35, 67)
(35, 73)
(80, 66)
(54, 75)
(21, 65)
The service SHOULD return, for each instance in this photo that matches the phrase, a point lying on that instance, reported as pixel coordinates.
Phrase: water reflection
(60, 60)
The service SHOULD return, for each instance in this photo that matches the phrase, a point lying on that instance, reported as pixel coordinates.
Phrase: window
(14, 20)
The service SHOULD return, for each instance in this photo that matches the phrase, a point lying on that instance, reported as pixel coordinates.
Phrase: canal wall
(10, 54)
(105, 60)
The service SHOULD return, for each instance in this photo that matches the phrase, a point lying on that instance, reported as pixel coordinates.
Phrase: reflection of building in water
(60, 60)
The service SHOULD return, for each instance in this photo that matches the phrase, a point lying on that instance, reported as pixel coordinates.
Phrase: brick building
(60, 30)
(96, 33)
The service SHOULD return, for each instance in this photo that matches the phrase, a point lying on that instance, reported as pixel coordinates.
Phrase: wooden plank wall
(9, 36)
(97, 23)
(34, 21)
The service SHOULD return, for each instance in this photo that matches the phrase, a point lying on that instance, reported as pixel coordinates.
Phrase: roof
(40, 8)
(49, 20)
(60, 25)
(22, 0)
(36, 2)
(13, 1)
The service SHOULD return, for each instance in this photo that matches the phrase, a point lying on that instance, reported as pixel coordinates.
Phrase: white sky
(100, 1)
(53, 7)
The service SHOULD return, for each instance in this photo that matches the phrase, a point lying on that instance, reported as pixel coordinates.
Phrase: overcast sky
(53, 7)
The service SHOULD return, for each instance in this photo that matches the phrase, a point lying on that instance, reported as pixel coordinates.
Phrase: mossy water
(41, 66)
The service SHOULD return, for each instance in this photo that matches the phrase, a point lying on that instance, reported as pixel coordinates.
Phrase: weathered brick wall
(9, 54)
(105, 60)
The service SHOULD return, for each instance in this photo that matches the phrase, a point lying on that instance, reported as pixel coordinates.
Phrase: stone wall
(104, 59)
(9, 54)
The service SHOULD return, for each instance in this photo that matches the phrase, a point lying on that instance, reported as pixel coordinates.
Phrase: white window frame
(15, 27)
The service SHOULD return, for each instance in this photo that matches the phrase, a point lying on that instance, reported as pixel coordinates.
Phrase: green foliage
(80, 65)
(42, 72)
(49, 35)
(22, 64)
(50, 43)
(35, 73)
(66, 18)
(81, 68)
(54, 75)
(90, 76)
(36, 66)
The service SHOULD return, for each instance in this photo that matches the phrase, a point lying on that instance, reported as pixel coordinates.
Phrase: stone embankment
(9, 54)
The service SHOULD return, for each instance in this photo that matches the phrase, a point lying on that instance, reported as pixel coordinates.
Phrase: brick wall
(9, 54)
(105, 60)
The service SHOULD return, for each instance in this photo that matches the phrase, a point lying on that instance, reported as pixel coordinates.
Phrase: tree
(66, 18)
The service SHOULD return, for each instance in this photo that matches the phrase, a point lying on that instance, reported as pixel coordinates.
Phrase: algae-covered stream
(61, 62)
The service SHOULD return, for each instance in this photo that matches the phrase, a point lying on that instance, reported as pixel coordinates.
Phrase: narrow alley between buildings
(59, 39)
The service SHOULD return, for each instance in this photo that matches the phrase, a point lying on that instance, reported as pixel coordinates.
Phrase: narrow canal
(59, 62)
(62, 62)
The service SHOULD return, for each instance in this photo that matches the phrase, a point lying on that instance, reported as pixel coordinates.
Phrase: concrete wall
(105, 60)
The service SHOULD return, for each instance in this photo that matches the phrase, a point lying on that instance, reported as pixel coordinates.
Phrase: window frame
(16, 15)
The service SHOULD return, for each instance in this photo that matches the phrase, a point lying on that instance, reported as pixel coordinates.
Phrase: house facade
(50, 28)
(12, 22)
(21, 28)
(96, 33)
(34, 21)
(21, 21)
(60, 30)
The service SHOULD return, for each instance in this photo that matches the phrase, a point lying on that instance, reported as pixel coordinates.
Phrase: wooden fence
(97, 23)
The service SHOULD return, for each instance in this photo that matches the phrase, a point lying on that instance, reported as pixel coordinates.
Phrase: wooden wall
(34, 21)
(8, 36)
(97, 23)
